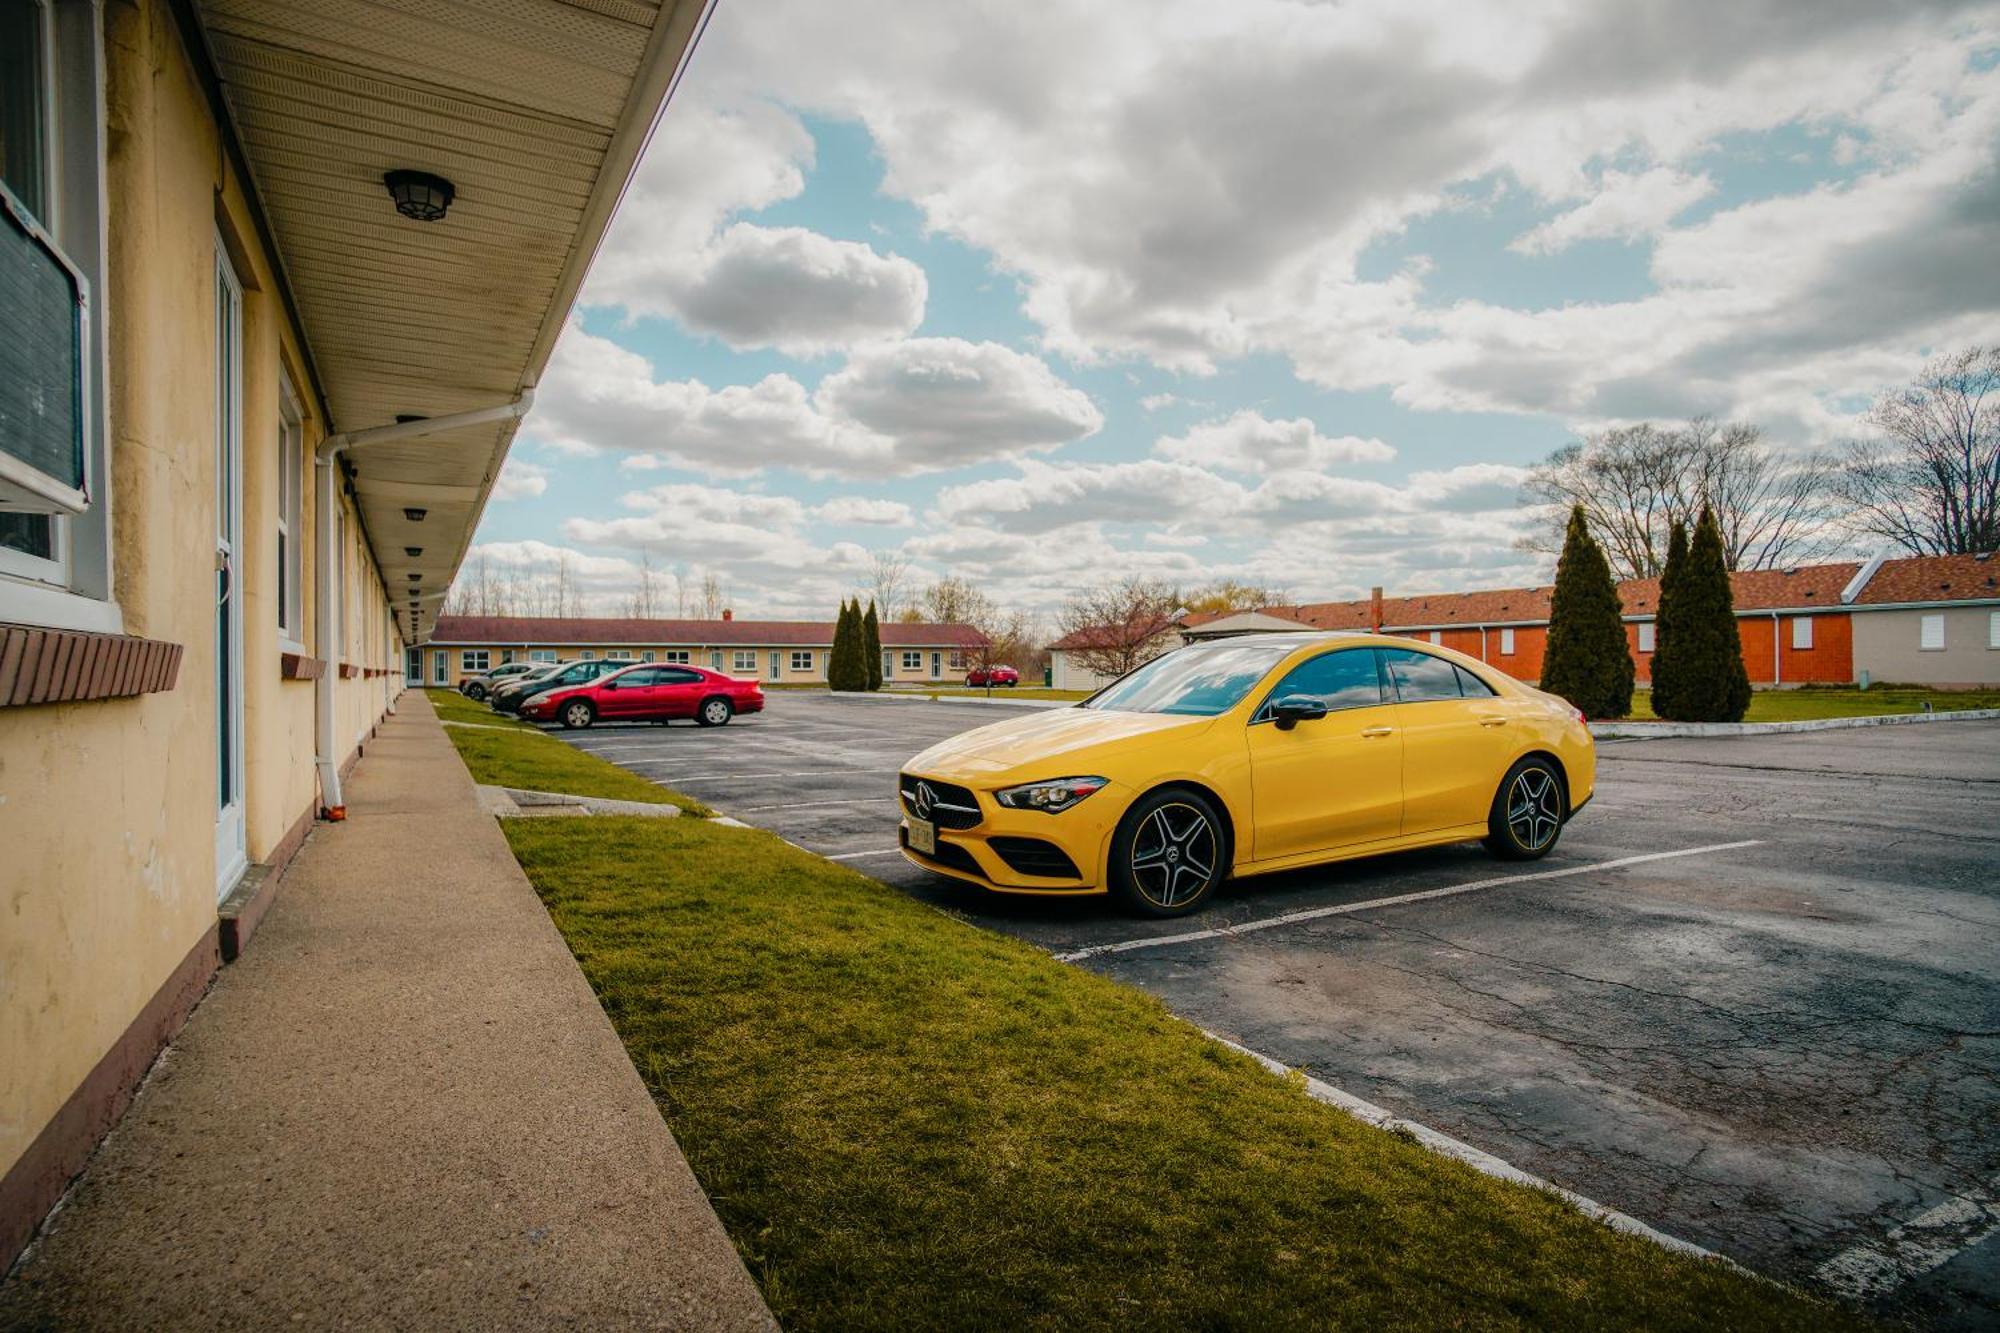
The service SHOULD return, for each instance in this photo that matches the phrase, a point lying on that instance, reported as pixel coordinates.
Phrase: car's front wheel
(475, 692)
(1528, 811)
(578, 714)
(713, 712)
(1170, 854)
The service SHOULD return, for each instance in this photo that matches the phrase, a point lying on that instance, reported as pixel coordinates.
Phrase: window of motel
(745, 660)
(802, 661)
(913, 661)
(1802, 632)
(541, 654)
(1506, 643)
(440, 668)
(1930, 633)
(1647, 632)
(474, 659)
(683, 657)
(621, 655)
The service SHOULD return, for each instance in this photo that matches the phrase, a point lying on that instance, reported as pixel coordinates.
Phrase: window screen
(1419, 677)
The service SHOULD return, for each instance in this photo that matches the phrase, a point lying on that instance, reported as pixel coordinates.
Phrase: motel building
(279, 282)
(777, 652)
(1923, 620)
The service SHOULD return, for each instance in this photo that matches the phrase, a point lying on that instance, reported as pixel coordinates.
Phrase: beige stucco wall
(701, 656)
(107, 809)
(1885, 646)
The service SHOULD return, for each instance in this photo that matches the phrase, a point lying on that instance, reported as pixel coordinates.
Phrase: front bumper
(1021, 851)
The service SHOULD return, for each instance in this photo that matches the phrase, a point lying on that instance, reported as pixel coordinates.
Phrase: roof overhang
(536, 111)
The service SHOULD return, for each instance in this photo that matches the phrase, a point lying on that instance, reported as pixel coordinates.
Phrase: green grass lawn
(1017, 692)
(907, 1121)
(455, 707)
(1808, 704)
(526, 757)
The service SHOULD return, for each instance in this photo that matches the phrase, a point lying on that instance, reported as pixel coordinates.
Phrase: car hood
(1041, 744)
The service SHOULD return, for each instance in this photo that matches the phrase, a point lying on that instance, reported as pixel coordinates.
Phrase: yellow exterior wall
(954, 660)
(107, 809)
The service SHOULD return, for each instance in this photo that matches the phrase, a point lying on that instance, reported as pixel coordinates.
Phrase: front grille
(1033, 856)
(952, 806)
(948, 854)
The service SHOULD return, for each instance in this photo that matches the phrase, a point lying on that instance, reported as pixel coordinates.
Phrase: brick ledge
(46, 666)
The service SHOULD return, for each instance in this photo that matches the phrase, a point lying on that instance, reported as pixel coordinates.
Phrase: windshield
(1196, 682)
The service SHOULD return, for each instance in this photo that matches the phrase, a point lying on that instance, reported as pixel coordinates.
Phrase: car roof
(1290, 640)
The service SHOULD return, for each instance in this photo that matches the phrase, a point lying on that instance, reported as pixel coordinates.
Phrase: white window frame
(73, 590)
(587, 655)
(1927, 642)
(678, 657)
(542, 655)
(472, 660)
(715, 659)
(913, 659)
(1506, 643)
(290, 482)
(957, 662)
(1437, 637)
(1648, 636)
(646, 656)
(440, 667)
(1802, 634)
(802, 659)
(506, 656)
(744, 659)
(620, 655)
(1993, 629)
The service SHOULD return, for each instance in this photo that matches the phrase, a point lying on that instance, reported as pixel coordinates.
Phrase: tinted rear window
(1419, 677)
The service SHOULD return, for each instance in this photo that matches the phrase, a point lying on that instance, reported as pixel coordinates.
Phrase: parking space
(1753, 999)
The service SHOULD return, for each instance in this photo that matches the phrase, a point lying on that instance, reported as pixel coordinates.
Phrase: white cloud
(1159, 402)
(1626, 206)
(862, 510)
(1252, 442)
(520, 480)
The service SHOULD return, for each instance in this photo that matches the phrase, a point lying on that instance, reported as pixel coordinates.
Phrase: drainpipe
(325, 757)
(1777, 664)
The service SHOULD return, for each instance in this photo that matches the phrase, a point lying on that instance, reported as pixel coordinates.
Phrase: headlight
(1051, 797)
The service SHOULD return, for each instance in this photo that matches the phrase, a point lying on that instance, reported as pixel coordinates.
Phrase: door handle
(1376, 731)
(1492, 721)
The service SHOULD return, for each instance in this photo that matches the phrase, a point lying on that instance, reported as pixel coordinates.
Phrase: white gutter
(324, 756)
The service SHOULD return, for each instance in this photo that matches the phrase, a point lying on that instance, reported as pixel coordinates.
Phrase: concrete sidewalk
(402, 1108)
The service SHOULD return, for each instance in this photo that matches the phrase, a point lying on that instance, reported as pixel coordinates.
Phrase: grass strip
(907, 1121)
(451, 706)
(534, 761)
(1806, 705)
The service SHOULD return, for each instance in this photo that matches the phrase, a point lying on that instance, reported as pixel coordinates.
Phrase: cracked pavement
(1777, 1052)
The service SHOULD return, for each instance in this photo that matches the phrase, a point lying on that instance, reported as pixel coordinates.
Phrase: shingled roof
(554, 631)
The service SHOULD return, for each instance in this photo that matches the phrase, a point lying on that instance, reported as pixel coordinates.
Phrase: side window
(1345, 678)
(669, 676)
(1419, 677)
(1471, 686)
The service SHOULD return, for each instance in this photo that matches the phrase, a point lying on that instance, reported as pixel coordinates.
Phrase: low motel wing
(776, 651)
(1929, 620)
(280, 280)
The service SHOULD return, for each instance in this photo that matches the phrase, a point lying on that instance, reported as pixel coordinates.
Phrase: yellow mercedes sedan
(1245, 756)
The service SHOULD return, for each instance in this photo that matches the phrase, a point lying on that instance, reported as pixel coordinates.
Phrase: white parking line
(1929, 1240)
(856, 856)
(1314, 914)
(886, 799)
(1475, 1158)
(705, 776)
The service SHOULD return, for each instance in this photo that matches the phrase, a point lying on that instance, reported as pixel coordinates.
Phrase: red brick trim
(34, 1184)
(46, 666)
(240, 921)
(299, 666)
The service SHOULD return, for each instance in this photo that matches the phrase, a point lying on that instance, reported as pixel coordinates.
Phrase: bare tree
(1635, 482)
(1225, 595)
(1009, 635)
(645, 602)
(1117, 626)
(889, 581)
(954, 601)
(709, 599)
(1931, 483)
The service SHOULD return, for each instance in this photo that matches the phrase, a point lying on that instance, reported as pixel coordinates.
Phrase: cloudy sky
(1290, 292)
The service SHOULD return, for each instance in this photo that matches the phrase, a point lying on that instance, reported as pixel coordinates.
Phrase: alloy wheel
(1534, 808)
(577, 715)
(717, 712)
(1173, 855)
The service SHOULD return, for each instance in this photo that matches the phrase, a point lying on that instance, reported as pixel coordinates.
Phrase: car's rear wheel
(714, 711)
(475, 691)
(1528, 811)
(1170, 853)
(578, 714)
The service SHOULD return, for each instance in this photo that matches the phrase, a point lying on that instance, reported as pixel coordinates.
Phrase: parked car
(509, 698)
(992, 675)
(539, 671)
(478, 687)
(648, 694)
(1246, 756)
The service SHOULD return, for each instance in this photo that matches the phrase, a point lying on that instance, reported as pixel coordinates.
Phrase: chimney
(1375, 609)
(728, 614)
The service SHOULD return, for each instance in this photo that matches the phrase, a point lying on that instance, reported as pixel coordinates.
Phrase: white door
(937, 666)
(777, 668)
(413, 666)
(230, 856)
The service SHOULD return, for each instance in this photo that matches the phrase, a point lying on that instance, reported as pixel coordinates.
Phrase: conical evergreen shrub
(1671, 576)
(840, 663)
(1587, 661)
(1698, 672)
(871, 640)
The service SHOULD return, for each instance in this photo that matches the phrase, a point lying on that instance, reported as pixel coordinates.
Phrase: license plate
(923, 837)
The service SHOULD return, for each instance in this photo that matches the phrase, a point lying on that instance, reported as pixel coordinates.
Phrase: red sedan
(649, 693)
(993, 675)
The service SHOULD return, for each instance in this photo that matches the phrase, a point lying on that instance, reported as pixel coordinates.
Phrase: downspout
(1777, 663)
(325, 757)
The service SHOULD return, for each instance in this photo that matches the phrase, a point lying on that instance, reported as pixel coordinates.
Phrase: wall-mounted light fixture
(420, 195)
(416, 578)
(413, 551)
(415, 515)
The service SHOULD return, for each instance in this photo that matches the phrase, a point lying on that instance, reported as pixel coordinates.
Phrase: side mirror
(1296, 708)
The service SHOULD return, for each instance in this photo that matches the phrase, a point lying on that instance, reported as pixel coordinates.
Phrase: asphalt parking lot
(1773, 1029)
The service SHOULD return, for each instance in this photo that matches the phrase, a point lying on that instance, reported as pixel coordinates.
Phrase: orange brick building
(1927, 619)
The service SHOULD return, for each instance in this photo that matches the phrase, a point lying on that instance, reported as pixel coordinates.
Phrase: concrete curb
(1625, 731)
(912, 698)
(521, 803)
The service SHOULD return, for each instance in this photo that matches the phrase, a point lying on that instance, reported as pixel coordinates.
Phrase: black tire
(1528, 811)
(578, 714)
(475, 691)
(1170, 853)
(715, 711)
